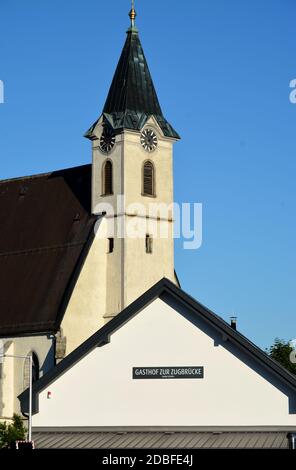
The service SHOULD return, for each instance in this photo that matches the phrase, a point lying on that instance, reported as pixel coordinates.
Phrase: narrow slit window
(108, 178)
(110, 245)
(149, 244)
(148, 179)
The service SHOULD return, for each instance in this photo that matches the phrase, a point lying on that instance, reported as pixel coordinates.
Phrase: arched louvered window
(148, 179)
(107, 178)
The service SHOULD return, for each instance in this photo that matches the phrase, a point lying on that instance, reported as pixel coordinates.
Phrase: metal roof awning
(160, 440)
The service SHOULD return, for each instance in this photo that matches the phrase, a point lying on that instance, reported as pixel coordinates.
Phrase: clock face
(149, 140)
(107, 140)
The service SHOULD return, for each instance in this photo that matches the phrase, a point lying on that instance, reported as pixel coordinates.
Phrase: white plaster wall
(99, 389)
(98, 160)
(129, 270)
(108, 282)
(86, 307)
(142, 270)
(7, 383)
(12, 381)
(135, 156)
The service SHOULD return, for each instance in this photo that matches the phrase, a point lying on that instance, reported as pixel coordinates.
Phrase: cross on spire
(132, 15)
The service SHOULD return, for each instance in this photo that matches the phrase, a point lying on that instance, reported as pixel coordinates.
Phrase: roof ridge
(42, 249)
(40, 175)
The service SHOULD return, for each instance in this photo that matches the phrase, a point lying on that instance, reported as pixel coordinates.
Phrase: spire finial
(133, 14)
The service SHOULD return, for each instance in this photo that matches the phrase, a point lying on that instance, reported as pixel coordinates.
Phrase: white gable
(99, 390)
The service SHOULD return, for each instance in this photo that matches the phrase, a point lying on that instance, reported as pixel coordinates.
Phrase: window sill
(153, 196)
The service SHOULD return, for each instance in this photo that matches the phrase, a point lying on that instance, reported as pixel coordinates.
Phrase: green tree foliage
(9, 433)
(281, 351)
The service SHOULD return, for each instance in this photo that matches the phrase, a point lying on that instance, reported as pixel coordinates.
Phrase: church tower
(132, 180)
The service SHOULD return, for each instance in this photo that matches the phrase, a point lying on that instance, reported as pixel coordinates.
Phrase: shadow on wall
(49, 361)
(39, 369)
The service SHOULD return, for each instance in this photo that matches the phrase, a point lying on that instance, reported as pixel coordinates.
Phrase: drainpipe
(292, 440)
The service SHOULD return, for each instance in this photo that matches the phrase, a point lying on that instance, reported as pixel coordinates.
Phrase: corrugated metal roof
(46, 222)
(160, 440)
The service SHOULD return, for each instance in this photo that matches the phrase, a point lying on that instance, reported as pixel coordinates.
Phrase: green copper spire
(132, 98)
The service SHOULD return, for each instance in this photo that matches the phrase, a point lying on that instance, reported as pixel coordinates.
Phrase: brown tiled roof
(46, 223)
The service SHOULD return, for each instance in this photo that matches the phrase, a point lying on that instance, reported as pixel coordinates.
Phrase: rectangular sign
(169, 372)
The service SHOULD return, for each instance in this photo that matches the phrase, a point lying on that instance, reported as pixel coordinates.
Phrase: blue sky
(222, 70)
